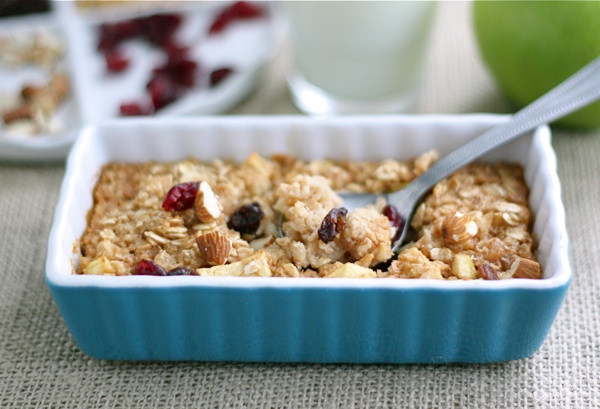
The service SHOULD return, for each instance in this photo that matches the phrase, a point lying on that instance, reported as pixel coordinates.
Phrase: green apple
(532, 46)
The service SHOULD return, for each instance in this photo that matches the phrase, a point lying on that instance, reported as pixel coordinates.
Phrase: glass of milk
(357, 57)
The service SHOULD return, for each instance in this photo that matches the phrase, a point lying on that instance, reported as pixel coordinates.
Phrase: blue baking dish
(262, 319)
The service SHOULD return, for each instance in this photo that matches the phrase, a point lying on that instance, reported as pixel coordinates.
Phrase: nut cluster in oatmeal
(221, 218)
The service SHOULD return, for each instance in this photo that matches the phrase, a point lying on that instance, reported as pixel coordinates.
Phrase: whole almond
(31, 92)
(206, 205)
(214, 247)
(525, 268)
(458, 228)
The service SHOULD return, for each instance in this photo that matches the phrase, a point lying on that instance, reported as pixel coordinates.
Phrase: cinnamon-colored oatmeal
(473, 225)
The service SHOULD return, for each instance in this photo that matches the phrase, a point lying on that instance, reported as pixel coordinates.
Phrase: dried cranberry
(181, 271)
(181, 197)
(163, 91)
(222, 21)
(107, 42)
(219, 75)
(175, 52)
(115, 61)
(245, 10)
(333, 224)
(167, 81)
(113, 34)
(218, 25)
(247, 218)
(183, 72)
(240, 10)
(396, 220)
(149, 268)
(178, 68)
(134, 109)
(487, 272)
(159, 28)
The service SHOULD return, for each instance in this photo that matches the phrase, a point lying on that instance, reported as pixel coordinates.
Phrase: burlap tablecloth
(41, 367)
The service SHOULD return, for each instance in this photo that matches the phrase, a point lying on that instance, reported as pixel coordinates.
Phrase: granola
(473, 225)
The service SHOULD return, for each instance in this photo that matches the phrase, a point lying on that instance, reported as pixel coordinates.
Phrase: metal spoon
(579, 90)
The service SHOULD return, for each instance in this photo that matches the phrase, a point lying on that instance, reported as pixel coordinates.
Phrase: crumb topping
(475, 224)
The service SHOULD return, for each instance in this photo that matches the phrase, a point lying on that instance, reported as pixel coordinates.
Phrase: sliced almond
(206, 205)
(17, 114)
(22, 127)
(525, 268)
(214, 247)
(59, 86)
(458, 228)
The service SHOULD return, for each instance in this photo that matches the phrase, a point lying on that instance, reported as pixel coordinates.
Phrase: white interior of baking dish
(374, 138)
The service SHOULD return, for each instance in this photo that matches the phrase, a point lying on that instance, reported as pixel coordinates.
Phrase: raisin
(181, 197)
(149, 268)
(181, 271)
(247, 218)
(396, 220)
(333, 224)
(487, 272)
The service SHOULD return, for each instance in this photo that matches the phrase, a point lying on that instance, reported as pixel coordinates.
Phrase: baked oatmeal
(222, 218)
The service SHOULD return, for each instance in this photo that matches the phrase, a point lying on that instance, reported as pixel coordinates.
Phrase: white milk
(364, 55)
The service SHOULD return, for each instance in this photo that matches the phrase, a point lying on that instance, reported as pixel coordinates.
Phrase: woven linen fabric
(41, 367)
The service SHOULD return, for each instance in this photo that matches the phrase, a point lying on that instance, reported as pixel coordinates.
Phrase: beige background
(41, 367)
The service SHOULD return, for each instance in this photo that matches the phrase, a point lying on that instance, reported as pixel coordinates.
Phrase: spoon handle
(577, 91)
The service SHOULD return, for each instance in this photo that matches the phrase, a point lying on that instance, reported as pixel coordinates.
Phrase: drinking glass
(355, 57)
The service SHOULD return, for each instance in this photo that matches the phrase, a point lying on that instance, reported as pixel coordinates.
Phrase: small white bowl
(43, 146)
(309, 320)
(245, 46)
